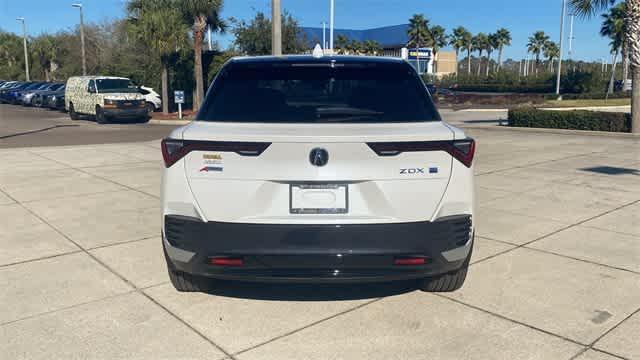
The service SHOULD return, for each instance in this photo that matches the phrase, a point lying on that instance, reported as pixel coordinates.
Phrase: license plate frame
(319, 210)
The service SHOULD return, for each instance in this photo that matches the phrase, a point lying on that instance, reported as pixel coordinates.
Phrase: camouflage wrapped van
(105, 98)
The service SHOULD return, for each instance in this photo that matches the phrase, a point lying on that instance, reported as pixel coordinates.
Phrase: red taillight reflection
(408, 261)
(226, 261)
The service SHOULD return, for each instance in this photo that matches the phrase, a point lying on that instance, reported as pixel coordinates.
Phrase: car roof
(96, 77)
(309, 59)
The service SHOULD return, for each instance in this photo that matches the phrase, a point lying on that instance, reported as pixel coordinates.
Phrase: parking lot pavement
(554, 273)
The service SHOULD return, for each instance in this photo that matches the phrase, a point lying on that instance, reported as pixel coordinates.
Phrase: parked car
(105, 98)
(27, 97)
(55, 101)
(153, 99)
(305, 169)
(12, 94)
(39, 97)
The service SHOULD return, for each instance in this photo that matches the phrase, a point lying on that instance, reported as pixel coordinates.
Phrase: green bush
(572, 119)
(514, 88)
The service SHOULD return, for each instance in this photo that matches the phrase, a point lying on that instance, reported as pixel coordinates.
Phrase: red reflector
(224, 261)
(410, 261)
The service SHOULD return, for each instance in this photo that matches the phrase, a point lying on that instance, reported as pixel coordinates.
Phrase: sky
(521, 17)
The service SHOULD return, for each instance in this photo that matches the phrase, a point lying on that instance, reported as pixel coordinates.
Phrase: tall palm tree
(45, 48)
(199, 14)
(614, 27)
(437, 40)
(461, 39)
(588, 8)
(158, 23)
(341, 44)
(371, 47)
(492, 44)
(536, 45)
(418, 32)
(503, 39)
(551, 51)
(480, 44)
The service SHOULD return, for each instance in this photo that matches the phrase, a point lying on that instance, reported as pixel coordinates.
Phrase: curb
(480, 110)
(555, 131)
(169, 122)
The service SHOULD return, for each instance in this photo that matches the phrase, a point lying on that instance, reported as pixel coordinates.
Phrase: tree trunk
(457, 56)
(625, 64)
(165, 87)
(479, 63)
(488, 63)
(198, 34)
(633, 38)
(635, 100)
(469, 61)
(500, 57)
(613, 74)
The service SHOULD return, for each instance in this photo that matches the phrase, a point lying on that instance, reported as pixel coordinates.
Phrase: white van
(105, 98)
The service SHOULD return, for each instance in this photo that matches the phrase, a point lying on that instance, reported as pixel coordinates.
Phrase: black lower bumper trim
(317, 253)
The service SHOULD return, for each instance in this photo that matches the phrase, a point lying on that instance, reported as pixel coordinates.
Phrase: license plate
(318, 198)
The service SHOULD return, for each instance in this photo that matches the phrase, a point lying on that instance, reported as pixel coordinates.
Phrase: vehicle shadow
(309, 292)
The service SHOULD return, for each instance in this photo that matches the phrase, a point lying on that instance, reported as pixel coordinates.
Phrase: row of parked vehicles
(103, 98)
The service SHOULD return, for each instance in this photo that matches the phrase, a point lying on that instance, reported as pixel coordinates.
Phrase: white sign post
(179, 99)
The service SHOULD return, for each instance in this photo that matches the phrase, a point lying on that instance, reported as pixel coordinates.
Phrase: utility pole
(571, 36)
(276, 28)
(324, 35)
(84, 58)
(24, 43)
(564, 11)
(331, 23)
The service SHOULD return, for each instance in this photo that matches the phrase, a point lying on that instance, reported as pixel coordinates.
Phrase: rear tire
(450, 281)
(72, 112)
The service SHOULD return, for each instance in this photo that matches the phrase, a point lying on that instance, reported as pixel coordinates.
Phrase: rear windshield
(318, 92)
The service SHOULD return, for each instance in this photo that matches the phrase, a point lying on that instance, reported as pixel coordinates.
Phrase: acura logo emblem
(319, 157)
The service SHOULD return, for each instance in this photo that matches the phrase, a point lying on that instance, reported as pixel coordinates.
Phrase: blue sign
(178, 96)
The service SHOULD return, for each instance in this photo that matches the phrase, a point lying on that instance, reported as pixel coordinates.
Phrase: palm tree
(355, 47)
(371, 47)
(536, 45)
(588, 8)
(199, 14)
(45, 48)
(418, 32)
(503, 39)
(437, 40)
(614, 27)
(551, 51)
(492, 44)
(158, 23)
(341, 44)
(461, 39)
(480, 44)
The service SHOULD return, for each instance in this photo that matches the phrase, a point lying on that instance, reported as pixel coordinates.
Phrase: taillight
(462, 150)
(410, 260)
(226, 261)
(174, 150)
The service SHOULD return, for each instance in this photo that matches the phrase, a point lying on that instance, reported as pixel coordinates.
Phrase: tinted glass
(115, 85)
(318, 92)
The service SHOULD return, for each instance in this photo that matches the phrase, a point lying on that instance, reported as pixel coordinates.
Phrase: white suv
(305, 169)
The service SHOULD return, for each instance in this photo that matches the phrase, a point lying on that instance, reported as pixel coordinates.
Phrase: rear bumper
(125, 113)
(317, 253)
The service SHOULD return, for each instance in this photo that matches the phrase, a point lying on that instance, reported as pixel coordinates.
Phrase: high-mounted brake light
(462, 150)
(174, 150)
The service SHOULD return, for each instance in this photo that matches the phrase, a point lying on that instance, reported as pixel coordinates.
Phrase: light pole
(564, 11)
(84, 58)
(24, 43)
(324, 35)
(331, 22)
(276, 28)
(571, 36)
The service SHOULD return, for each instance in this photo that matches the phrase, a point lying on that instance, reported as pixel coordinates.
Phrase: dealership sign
(423, 53)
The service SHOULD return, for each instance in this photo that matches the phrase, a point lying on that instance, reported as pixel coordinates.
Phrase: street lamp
(564, 12)
(84, 59)
(24, 43)
(331, 23)
(276, 28)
